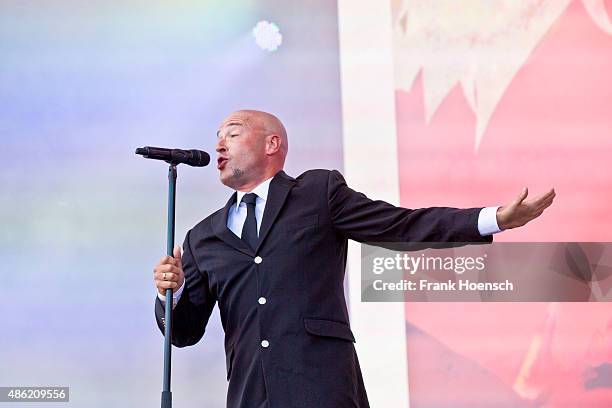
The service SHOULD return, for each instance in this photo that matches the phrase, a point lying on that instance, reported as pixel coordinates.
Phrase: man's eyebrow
(230, 124)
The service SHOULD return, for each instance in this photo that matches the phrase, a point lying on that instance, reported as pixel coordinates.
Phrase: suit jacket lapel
(280, 186)
(279, 189)
(219, 225)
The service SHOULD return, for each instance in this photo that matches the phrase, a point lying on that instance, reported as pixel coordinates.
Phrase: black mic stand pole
(166, 397)
(173, 157)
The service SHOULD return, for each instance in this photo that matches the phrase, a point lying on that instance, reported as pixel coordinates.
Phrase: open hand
(520, 211)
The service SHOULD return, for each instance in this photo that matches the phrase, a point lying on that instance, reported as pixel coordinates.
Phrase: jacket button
(262, 300)
(258, 259)
(265, 343)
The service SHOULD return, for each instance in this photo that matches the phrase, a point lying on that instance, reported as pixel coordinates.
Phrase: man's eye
(234, 135)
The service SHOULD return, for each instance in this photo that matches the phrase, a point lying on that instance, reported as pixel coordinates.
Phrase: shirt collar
(261, 191)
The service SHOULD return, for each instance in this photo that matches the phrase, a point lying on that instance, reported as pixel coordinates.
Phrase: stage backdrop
(422, 103)
(492, 96)
(488, 97)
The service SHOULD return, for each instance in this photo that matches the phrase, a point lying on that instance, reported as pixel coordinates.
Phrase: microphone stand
(166, 396)
(173, 157)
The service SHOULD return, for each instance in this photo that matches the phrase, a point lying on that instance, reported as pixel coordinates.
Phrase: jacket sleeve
(365, 220)
(194, 307)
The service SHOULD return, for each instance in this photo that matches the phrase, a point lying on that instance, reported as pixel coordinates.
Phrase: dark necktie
(249, 229)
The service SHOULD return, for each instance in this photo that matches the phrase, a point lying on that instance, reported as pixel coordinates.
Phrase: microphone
(193, 157)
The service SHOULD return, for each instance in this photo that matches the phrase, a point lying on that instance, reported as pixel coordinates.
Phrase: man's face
(240, 151)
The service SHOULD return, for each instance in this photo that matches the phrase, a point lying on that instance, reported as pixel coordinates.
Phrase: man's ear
(273, 144)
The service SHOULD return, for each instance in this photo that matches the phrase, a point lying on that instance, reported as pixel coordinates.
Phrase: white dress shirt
(238, 213)
(487, 221)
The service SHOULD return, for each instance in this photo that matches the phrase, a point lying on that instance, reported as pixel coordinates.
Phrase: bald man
(274, 259)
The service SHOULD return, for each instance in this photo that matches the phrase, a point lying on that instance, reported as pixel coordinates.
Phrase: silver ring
(164, 276)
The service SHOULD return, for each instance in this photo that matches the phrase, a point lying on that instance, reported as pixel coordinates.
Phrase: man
(274, 259)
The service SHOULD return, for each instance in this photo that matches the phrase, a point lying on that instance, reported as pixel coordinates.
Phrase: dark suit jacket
(310, 361)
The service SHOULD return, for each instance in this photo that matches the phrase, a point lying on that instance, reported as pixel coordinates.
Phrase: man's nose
(220, 147)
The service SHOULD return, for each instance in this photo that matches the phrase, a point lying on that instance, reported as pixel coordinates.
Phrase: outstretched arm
(365, 220)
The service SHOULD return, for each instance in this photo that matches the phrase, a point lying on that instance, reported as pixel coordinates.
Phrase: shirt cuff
(487, 221)
(175, 296)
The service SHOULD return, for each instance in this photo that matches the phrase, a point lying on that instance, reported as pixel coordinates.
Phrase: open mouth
(221, 162)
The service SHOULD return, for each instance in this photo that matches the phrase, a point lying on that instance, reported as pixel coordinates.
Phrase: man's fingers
(169, 276)
(547, 203)
(536, 211)
(167, 284)
(168, 268)
(167, 260)
(168, 273)
(177, 254)
(543, 200)
(540, 202)
(521, 197)
(544, 197)
(543, 203)
(175, 259)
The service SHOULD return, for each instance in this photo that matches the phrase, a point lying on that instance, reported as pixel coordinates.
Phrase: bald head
(266, 124)
(252, 146)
